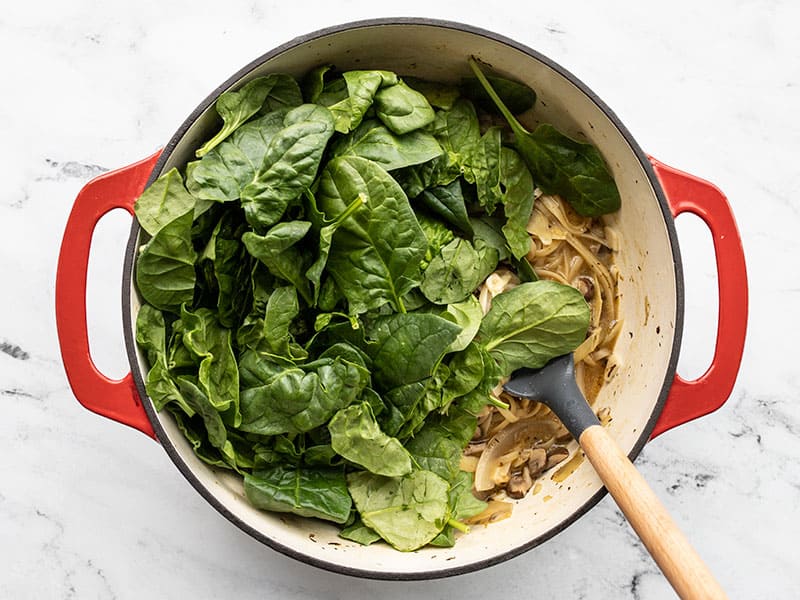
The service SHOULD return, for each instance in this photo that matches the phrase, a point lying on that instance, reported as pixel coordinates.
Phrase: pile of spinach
(308, 285)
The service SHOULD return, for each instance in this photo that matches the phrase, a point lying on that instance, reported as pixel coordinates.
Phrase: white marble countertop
(92, 509)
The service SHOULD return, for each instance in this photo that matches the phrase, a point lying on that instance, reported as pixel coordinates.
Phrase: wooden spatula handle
(676, 558)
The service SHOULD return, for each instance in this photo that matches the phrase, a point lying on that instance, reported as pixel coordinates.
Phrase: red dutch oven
(646, 397)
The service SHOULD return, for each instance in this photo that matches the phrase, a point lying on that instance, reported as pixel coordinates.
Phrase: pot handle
(116, 399)
(688, 400)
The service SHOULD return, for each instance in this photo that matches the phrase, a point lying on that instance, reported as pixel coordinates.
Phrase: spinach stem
(462, 527)
(360, 201)
(512, 120)
(497, 402)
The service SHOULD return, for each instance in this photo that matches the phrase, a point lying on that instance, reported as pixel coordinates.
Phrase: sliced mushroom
(585, 286)
(522, 434)
(475, 448)
(519, 484)
(537, 461)
(555, 455)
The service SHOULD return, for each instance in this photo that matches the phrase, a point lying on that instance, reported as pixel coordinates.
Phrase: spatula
(555, 385)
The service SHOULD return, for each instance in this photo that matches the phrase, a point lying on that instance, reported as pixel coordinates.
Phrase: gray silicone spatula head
(554, 385)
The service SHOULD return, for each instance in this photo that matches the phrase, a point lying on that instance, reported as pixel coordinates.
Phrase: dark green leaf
(282, 309)
(375, 253)
(517, 97)
(308, 492)
(467, 315)
(517, 201)
(314, 83)
(296, 401)
(218, 374)
(561, 165)
(151, 337)
(482, 167)
(375, 142)
(223, 173)
(534, 322)
(447, 202)
(271, 92)
(290, 164)
(454, 273)
(215, 427)
(326, 231)
(278, 250)
(437, 234)
(434, 450)
(407, 347)
(437, 94)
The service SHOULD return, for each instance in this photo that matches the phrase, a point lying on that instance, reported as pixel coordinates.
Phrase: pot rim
(152, 414)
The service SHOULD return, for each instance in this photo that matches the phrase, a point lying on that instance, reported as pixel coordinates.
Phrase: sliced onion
(496, 510)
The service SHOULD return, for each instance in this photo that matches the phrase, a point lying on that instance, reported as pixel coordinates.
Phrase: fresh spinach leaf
(447, 202)
(282, 309)
(454, 273)
(482, 167)
(408, 512)
(437, 94)
(162, 202)
(271, 92)
(516, 96)
(304, 491)
(402, 404)
(215, 427)
(457, 130)
(466, 372)
(297, 401)
(279, 252)
(314, 82)
(290, 165)
(362, 87)
(517, 201)
(374, 141)
(224, 172)
(326, 231)
(356, 436)
(561, 165)
(359, 533)
(467, 315)
(533, 323)
(402, 109)
(231, 267)
(165, 273)
(420, 339)
(375, 253)
(193, 430)
(151, 337)
(437, 234)
(462, 501)
(218, 374)
(488, 232)
(434, 450)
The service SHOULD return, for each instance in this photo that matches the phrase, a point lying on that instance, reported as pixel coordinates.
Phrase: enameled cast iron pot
(645, 398)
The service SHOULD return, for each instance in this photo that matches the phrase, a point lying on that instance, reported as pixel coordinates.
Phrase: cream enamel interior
(647, 304)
